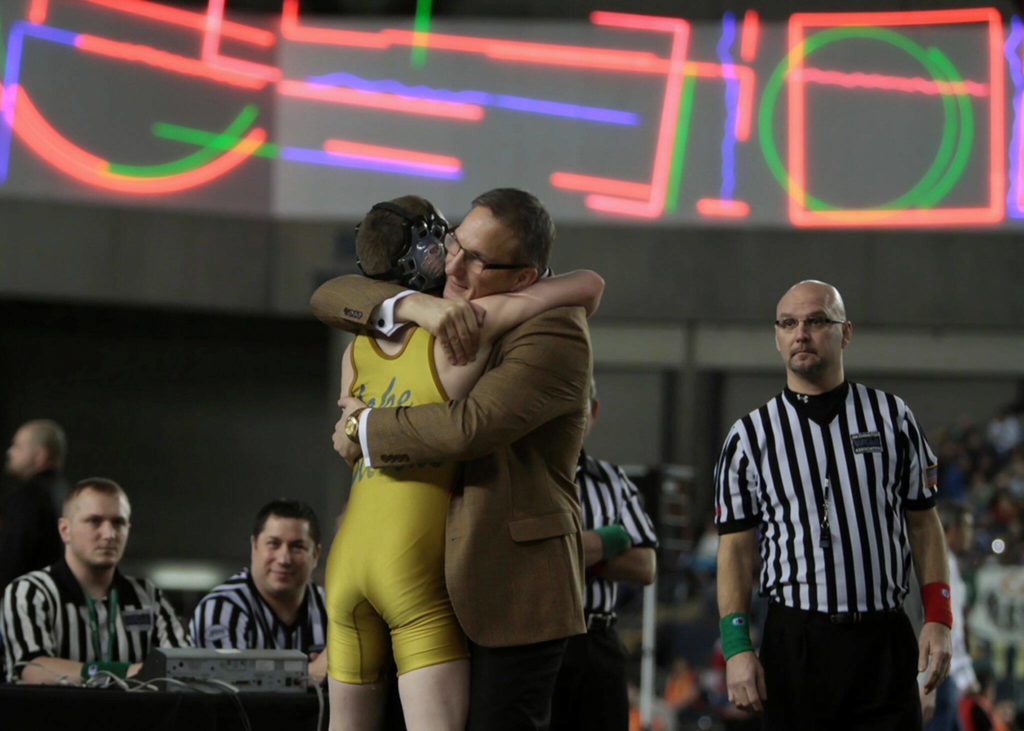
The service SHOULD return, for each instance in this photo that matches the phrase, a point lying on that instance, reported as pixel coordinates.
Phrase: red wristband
(937, 605)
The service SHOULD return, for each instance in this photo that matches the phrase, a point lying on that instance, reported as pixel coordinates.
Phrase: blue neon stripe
(480, 98)
(319, 157)
(732, 95)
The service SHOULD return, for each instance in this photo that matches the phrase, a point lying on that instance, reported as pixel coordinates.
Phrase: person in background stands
(81, 617)
(28, 519)
(958, 524)
(273, 604)
(619, 542)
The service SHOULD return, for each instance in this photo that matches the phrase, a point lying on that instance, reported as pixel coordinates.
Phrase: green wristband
(735, 629)
(92, 669)
(614, 538)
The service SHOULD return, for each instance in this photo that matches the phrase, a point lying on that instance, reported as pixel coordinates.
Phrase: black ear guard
(420, 264)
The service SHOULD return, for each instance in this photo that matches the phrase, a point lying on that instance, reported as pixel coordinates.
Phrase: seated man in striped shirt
(81, 617)
(273, 604)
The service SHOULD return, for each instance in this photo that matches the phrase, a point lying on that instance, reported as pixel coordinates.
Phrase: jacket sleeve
(538, 371)
(347, 302)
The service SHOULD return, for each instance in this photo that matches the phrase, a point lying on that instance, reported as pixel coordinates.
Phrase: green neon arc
(941, 175)
(210, 150)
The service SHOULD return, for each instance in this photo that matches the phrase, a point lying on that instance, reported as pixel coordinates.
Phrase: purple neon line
(732, 95)
(12, 72)
(1011, 49)
(480, 98)
(318, 157)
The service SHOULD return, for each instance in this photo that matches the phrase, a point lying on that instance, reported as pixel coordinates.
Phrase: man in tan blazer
(513, 558)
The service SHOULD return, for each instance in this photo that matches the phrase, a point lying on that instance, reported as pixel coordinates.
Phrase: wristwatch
(352, 425)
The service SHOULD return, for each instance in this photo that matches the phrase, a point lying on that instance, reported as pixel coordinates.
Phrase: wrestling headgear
(420, 263)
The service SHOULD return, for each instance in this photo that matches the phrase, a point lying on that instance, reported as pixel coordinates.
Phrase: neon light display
(862, 119)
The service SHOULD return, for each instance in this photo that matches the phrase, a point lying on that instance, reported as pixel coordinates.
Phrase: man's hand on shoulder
(455, 322)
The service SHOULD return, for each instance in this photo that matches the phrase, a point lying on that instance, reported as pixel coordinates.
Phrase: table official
(619, 542)
(835, 483)
(82, 617)
(273, 604)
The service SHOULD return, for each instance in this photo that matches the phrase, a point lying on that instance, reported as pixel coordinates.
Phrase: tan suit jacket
(513, 557)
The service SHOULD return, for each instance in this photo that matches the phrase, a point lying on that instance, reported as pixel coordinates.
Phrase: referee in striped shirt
(834, 483)
(273, 604)
(619, 544)
(82, 617)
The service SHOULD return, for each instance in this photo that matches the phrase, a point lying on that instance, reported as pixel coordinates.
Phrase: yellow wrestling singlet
(385, 572)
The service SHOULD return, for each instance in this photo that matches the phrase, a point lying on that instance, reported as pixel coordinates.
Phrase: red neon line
(997, 123)
(907, 217)
(375, 100)
(395, 154)
(265, 74)
(541, 53)
(896, 17)
(291, 30)
(797, 131)
(680, 30)
(605, 186)
(911, 85)
(165, 61)
(75, 162)
(37, 11)
(723, 208)
(211, 29)
(211, 48)
(188, 19)
(993, 212)
(750, 35)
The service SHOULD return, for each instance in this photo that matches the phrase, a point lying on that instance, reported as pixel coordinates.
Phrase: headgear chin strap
(420, 264)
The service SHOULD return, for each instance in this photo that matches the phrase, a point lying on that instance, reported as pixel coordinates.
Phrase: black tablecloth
(55, 708)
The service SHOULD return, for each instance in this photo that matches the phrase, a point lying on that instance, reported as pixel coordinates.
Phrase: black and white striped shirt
(235, 615)
(772, 474)
(609, 497)
(45, 614)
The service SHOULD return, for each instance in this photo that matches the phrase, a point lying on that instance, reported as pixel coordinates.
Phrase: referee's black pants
(590, 693)
(821, 676)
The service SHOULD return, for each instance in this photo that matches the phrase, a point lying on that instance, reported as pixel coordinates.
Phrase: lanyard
(94, 626)
(825, 541)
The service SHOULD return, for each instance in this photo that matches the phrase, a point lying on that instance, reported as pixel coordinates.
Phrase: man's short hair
(102, 485)
(381, 237)
(526, 217)
(285, 508)
(48, 434)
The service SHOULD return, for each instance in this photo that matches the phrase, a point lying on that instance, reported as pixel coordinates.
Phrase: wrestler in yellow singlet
(386, 567)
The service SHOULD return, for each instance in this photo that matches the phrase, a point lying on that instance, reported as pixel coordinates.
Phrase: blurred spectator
(28, 520)
(1005, 432)
(977, 709)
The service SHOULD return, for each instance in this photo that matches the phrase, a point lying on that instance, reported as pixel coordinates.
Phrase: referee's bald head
(833, 301)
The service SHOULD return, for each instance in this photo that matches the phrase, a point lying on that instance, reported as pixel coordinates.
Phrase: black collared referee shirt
(782, 471)
(45, 614)
(235, 615)
(608, 497)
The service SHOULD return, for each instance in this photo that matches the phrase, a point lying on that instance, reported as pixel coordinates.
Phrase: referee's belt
(600, 620)
(843, 617)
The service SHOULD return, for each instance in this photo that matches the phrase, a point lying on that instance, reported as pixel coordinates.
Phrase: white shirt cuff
(363, 442)
(383, 315)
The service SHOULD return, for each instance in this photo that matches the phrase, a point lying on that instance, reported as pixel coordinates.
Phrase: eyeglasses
(452, 247)
(814, 324)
